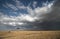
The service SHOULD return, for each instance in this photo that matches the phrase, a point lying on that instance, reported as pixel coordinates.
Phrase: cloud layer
(45, 17)
(36, 14)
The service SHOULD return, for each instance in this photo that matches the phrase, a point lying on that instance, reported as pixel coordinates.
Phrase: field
(29, 34)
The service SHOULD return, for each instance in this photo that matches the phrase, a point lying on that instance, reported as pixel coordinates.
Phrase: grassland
(29, 34)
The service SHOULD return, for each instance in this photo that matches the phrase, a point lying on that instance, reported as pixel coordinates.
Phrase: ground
(29, 34)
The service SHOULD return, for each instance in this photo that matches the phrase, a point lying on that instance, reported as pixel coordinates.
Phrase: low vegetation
(29, 34)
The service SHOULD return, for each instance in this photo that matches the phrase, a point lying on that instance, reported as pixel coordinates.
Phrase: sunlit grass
(29, 34)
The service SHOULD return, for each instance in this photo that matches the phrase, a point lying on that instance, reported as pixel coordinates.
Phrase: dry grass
(29, 34)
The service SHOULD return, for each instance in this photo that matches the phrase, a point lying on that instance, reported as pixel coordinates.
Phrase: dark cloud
(49, 21)
(54, 15)
(52, 19)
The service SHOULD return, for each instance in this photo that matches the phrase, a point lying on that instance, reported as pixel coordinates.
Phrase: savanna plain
(29, 34)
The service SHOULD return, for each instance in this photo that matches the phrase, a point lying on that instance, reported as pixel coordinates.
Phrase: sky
(29, 14)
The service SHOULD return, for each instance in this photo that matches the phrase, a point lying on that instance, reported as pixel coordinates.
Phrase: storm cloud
(46, 17)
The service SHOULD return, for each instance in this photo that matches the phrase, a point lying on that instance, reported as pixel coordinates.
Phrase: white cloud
(32, 16)
(34, 4)
(39, 11)
(11, 6)
(5, 6)
(1, 14)
(19, 5)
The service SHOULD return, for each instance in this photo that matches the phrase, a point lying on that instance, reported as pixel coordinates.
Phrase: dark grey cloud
(46, 17)
(54, 15)
(51, 20)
